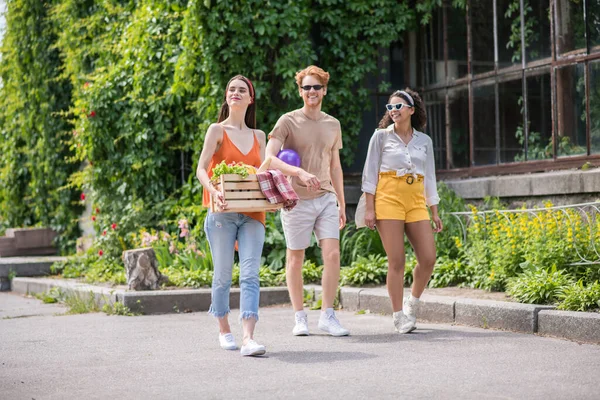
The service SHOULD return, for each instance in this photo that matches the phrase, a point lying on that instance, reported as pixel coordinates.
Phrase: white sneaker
(330, 324)
(227, 341)
(403, 323)
(410, 306)
(301, 328)
(253, 349)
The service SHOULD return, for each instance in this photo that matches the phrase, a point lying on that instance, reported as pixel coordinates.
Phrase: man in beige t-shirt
(319, 182)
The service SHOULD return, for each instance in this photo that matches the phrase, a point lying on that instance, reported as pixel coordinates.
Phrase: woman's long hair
(250, 118)
(419, 118)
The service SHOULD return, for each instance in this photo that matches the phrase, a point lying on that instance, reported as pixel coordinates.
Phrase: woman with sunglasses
(399, 182)
(234, 139)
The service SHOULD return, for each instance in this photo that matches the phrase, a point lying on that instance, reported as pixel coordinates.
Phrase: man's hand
(342, 217)
(310, 180)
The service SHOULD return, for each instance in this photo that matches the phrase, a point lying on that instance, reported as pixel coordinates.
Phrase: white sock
(301, 314)
(328, 311)
(413, 298)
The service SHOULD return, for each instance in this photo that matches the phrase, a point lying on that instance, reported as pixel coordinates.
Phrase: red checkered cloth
(277, 189)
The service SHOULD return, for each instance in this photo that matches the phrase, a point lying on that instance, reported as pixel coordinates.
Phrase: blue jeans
(222, 230)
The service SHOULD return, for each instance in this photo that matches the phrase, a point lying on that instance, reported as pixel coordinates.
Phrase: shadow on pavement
(429, 335)
(312, 357)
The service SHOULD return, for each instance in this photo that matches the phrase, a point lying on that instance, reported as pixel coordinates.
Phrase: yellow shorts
(400, 198)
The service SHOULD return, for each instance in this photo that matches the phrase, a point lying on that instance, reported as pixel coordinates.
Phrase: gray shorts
(320, 215)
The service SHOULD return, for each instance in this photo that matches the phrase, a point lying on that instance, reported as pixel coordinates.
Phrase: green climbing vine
(110, 99)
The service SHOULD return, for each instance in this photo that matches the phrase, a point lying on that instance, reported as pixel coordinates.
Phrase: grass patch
(82, 303)
(118, 309)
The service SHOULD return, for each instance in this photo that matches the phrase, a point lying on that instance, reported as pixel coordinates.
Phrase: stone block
(511, 186)
(274, 295)
(31, 286)
(32, 238)
(562, 182)
(4, 284)
(375, 300)
(169, 301)
(27, 266)
(573, 325)
(350, 298)
(498, 314)
(8, 247)
(476, 188)
(436, 309)
(591, 181)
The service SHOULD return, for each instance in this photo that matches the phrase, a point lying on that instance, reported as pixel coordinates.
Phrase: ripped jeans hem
(248, 315)
(216, 314)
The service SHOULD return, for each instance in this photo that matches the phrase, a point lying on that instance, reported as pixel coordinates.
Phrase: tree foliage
(112, 97)
(33, 132)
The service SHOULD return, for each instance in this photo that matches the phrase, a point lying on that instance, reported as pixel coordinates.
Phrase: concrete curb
(148, 302)
(574, 325)
(25, 266)
(191, 300)
(516, 317)
(437, 309)
(30, 286)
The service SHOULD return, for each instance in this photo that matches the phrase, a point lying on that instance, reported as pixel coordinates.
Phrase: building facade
(511, 87)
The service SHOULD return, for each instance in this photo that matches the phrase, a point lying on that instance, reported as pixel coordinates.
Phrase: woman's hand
(370, 218)
(437, 223)
(219, 198)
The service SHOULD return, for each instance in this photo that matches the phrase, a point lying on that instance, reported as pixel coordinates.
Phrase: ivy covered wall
(111, 98)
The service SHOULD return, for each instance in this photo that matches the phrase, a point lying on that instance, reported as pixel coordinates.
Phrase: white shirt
(387, 152)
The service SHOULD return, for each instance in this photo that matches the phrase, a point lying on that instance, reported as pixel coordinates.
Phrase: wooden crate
(242, 195)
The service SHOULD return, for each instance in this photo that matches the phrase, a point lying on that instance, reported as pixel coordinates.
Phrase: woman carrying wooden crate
(234, 139)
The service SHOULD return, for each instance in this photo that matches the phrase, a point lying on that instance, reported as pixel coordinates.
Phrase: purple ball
(290, 157)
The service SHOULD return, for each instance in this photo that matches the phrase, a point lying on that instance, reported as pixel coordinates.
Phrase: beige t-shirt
(313, 140)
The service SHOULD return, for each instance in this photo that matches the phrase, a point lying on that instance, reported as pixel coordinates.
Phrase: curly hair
(419, 118)
(315, 71)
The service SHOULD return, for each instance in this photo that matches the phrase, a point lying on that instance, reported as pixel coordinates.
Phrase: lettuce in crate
(233, 168)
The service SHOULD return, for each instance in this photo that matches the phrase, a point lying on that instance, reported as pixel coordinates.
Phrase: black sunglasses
(397, 106)
(308, 87)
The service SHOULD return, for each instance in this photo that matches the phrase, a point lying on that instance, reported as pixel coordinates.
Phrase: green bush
(311, 273)
(579, 297)
(539, 286)
(268, 277)
(365, 270)
(359, 242)
(449, 272)
(409, 267)
(450, 202)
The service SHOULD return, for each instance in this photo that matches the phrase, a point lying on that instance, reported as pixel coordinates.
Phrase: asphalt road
(45, 355)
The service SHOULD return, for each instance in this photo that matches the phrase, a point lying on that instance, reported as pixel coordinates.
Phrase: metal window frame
(578, 56)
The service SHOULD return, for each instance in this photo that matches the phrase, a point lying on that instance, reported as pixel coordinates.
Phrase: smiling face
(238, 94)
(312, 97)
(404, 113)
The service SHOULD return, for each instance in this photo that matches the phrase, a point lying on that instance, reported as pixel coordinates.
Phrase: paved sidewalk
(176, 356)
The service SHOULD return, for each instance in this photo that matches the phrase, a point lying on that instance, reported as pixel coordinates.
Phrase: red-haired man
(317, 138)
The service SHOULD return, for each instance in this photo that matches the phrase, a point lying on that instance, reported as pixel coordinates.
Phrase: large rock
(141, 268)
